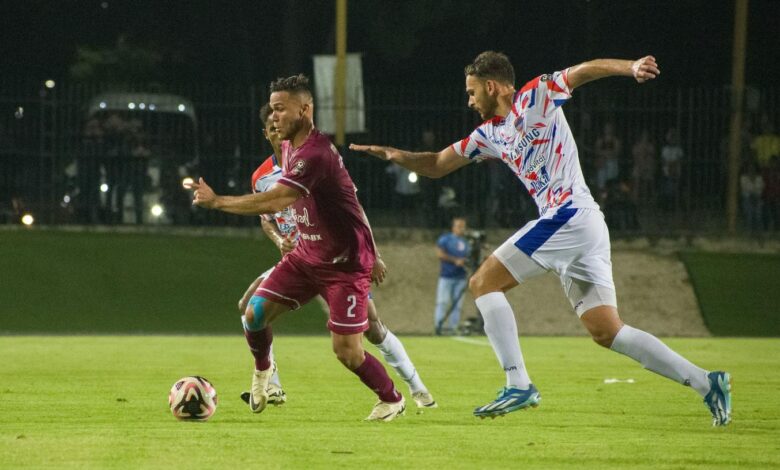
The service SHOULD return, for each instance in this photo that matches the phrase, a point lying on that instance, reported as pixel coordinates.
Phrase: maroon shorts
(294, 283)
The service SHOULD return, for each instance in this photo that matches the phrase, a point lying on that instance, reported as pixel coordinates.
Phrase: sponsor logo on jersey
(302, 218)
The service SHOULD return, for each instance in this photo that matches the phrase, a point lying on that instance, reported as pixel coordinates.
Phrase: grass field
(101, 402)
(737, 292)
(61, 282)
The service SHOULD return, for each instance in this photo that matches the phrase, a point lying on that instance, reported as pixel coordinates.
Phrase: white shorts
(572, 242)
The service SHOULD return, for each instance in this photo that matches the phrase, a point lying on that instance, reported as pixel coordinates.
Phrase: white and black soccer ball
(193, 398)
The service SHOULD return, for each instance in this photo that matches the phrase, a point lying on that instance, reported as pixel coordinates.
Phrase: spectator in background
(429, 188)
(671, 169)
(407, 191)
(767, 144)
(619, 206)
(751, 189)
(608, 148)
(643, 172)
(453, 251)
(772, 193)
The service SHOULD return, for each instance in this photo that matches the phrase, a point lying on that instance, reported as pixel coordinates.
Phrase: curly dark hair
(294, 84)
(491, 65)
(265, 111)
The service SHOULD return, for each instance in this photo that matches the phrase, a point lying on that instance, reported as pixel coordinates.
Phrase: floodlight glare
(412, 177)
(28, 219)
(157, 210)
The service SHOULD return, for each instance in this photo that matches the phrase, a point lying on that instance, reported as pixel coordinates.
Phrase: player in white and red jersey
(527, 130)
(335, 254)
(281, 228)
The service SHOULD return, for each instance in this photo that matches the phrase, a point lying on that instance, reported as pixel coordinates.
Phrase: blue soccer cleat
(718, 399)
(509, 399)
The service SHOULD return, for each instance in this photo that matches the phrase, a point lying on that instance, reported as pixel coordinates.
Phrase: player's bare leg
(349, 350)
(276, 394)
(396, 357)
(258, 316)
(606, 328)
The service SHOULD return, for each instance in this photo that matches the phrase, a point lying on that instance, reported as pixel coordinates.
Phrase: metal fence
(66, 157)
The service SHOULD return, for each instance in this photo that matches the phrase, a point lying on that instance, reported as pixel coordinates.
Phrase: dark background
(255, 41)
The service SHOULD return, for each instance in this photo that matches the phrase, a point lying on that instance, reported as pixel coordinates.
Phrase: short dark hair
(491, 65)
(265, 111)
(294, 84)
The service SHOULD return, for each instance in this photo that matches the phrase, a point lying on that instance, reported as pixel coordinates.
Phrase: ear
(491, 87)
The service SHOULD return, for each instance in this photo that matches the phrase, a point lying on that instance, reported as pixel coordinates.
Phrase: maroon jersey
(332, 229)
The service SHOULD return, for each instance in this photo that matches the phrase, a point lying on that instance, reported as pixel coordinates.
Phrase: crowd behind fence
(654, 157)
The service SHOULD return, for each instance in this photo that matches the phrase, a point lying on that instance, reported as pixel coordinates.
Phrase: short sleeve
(442, 242)
(307, 171)
(477, 146)
(543, 95)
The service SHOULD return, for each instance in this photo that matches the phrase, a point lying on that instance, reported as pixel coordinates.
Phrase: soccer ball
(193, 398)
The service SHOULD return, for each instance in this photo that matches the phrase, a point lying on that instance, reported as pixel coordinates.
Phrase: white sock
(501, 330)
(395, 356)
(275, 377)
(659, 358)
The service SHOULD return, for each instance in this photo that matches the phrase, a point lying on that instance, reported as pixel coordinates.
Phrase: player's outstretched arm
(642, 70)
(429, 164)
(269, 202)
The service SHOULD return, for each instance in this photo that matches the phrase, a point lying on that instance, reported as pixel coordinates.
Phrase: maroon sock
(260, 345)
(374, 375)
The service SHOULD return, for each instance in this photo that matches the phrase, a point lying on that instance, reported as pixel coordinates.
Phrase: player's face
(270, 132)
(480, 100)
(288, 113)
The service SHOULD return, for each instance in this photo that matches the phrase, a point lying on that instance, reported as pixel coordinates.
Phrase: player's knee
(603, 338)
(376, 332)
(476, 285)
(254, 315)
(351, 357)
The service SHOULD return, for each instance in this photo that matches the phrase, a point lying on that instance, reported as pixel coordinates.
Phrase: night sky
(421, 40)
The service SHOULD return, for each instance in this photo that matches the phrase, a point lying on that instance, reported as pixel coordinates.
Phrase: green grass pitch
(101, 402)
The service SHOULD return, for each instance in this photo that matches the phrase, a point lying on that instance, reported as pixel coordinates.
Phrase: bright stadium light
(182, 107)
(104, 188)
(66, 198)
(157, 210)
(142, 106)
(187, 182)
(152, 107)
(102, 105)
(28, 219)
(49, 84)
(412, 177)
(131, 105)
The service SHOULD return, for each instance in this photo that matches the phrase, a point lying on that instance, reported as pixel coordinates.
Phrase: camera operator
(454, 252)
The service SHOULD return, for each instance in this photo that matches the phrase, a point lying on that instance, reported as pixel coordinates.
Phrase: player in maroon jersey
(334, 255)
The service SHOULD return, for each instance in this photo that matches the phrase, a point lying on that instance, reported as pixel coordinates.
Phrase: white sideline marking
(619, 381)
(471, 340)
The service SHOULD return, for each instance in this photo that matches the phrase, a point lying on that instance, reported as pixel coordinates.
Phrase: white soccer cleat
(424, 400)
(258, 396)
(276, 395)
(385, 411)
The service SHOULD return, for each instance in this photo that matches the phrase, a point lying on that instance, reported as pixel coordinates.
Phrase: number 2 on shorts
(353, 301)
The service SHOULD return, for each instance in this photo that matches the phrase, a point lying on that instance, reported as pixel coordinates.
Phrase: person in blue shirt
(453, 251)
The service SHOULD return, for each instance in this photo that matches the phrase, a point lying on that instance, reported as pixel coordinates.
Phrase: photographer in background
(454, 252)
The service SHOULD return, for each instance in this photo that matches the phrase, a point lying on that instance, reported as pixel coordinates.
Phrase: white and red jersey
(535, 141)
(264, 177)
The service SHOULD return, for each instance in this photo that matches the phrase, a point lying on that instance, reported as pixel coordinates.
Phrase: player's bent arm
(268, 202)
(428, 164)
(272, 230)
(642, 70)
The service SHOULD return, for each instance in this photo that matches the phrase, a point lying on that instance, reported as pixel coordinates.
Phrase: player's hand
(203, 196)
(379, 271)
(645, 69)
(460, 262)
(383, 153)
(286, 245)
